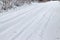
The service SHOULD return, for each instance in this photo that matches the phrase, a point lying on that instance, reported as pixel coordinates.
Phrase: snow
(37, 21)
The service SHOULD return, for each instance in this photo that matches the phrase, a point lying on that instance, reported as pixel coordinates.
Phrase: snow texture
(37, 21)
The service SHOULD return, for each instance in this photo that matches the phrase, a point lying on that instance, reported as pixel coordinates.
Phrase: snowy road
(38, 21)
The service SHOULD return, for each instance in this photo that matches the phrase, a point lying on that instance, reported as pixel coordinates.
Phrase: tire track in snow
(13, 20)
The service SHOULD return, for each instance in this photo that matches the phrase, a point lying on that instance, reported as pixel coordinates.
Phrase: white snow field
(37, 21)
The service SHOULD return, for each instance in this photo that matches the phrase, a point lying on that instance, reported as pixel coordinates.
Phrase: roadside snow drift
(37, 21)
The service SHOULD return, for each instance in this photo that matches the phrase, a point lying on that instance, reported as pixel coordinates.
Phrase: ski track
(37, 21)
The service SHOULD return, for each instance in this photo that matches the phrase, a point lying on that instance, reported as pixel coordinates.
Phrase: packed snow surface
(37, 21)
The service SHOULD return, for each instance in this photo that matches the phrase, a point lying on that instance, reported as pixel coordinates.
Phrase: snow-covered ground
(37, 21)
